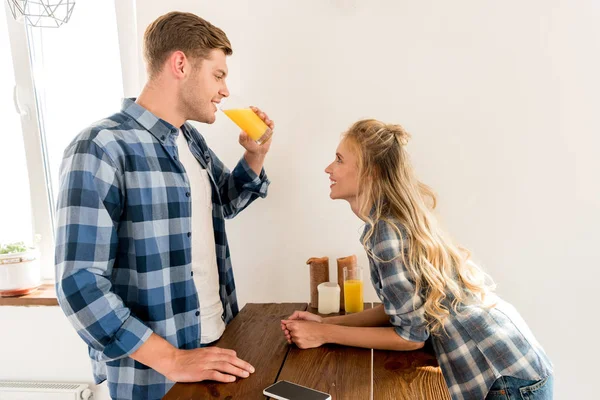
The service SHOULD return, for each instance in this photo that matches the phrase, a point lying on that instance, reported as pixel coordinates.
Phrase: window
(68, 78)
(77, 78)
(15, 204)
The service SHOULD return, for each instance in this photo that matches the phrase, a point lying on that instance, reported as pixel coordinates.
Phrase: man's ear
(178, 64)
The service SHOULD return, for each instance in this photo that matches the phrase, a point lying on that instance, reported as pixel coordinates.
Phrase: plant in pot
(19, 269)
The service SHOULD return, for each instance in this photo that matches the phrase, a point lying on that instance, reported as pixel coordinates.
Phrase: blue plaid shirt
(123, 245)
(480, 345)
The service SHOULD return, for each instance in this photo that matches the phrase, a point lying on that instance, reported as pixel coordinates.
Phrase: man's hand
(254, 149)
(208, 363)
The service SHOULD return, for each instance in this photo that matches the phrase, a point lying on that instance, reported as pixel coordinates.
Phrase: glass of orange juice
(353, 290)
(246, 119)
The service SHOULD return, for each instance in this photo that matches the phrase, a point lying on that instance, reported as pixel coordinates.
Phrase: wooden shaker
(319, 273)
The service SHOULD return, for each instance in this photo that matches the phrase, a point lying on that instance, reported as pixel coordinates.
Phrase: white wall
(501, 99)
(39, 344)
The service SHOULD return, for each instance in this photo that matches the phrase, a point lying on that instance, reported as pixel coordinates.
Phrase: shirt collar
(161, 129)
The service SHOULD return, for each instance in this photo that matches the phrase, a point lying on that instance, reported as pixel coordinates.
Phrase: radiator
(14, 390)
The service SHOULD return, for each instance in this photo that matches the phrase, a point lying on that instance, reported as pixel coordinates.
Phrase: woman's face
(343, 173)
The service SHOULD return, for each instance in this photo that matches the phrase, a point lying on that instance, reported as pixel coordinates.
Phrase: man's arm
(88, 210)
(208, 363)
(248, 180)
(255, 161)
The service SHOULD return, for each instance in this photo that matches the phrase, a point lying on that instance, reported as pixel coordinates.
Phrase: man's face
(204, 86)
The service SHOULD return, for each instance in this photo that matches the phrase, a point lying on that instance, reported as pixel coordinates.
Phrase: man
(134, 227)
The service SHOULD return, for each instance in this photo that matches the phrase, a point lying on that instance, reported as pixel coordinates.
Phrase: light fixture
(42, 13)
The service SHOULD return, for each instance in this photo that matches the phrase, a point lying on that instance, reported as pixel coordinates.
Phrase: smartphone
(284, 390)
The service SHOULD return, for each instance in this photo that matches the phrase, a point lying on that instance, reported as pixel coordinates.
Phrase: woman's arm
(370, 338)
(372, 317)
(309, 334)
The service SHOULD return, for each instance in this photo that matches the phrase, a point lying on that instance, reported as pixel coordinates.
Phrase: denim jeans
(509, 388)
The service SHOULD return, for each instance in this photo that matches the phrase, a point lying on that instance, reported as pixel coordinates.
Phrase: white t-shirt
(204, 257)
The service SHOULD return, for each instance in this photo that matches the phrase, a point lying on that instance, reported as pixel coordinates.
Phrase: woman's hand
(305, 316)
(298, 316)
(305, 334)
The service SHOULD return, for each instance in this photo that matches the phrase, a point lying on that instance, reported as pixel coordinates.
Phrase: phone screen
(290, 391)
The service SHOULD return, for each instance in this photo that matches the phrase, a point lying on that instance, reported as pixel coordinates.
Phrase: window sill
(45, 295)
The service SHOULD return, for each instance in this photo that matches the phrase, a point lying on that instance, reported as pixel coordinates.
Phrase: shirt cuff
(412, 333)
(130, 337)
(254, 183)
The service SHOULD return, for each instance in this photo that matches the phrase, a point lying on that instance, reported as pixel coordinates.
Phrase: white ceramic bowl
(19, 273)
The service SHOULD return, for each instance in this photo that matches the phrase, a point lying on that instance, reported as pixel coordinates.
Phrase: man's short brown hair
(185, 32)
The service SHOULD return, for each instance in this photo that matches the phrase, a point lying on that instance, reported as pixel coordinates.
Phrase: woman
(428, 286)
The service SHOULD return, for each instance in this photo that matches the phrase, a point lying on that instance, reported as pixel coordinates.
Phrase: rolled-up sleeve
(396, 288)
(90, 202)
(240, 187)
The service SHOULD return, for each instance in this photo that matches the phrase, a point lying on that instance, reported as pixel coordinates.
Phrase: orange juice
(248, 121)
(353, 296)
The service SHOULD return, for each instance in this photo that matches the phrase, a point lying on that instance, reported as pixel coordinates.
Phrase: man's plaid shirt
(123, 245)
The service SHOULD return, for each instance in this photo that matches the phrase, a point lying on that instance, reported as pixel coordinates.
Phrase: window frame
(34, 141)
(34, 144)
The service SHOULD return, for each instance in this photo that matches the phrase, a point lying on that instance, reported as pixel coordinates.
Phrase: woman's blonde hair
(389, 190)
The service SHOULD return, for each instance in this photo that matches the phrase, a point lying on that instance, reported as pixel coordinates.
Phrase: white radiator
(13, 390)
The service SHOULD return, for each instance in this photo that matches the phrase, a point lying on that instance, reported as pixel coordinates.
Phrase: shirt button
(189, 234)
(163, 137)
(192, 273)
(197, 313)
(175, 158)
(187, 194)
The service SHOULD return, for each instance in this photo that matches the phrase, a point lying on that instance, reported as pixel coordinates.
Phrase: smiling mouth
(332, 183)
